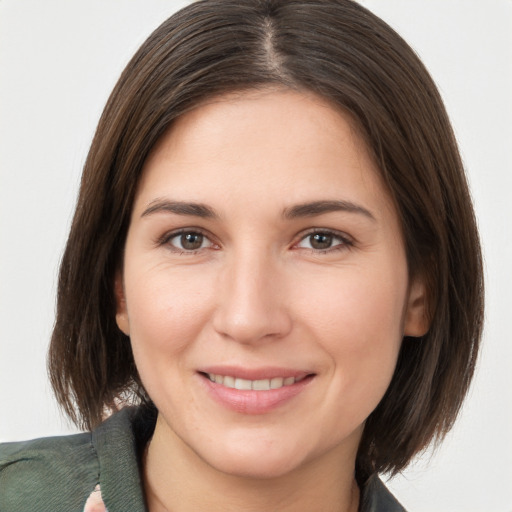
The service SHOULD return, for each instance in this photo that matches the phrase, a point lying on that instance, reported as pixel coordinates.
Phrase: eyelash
(167, 237)
(345, 241)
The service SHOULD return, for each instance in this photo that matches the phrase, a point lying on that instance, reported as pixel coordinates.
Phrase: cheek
(166, 310)
(359, 306)
(358, 323)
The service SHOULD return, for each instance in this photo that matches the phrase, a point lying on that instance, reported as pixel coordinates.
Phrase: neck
(176, 479)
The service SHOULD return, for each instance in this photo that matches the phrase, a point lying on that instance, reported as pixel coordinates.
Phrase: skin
(260, 292)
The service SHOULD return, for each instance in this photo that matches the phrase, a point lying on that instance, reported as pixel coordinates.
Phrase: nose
(251, 305)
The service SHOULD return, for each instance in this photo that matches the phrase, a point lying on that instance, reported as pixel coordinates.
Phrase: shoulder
(55, 473)
(375, 497)
(60, 474)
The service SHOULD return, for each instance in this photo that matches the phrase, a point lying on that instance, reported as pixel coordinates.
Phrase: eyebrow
(180, 208)
(320, 207)
(310, 209)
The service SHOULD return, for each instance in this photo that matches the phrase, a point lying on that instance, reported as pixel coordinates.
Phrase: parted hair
(345, 54)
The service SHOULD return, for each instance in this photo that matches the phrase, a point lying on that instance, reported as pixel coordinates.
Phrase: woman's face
(265, 286)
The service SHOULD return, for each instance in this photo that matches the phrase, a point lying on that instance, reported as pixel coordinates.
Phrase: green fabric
(57, 474)
(120, 481)
(47, 474)
(375, 497)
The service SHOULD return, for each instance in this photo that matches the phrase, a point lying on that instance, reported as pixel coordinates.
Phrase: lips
(254, 391)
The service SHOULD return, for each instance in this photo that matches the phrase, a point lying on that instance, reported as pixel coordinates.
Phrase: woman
(274, 252)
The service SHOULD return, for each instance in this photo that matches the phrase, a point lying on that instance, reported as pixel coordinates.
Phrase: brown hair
(342, 52)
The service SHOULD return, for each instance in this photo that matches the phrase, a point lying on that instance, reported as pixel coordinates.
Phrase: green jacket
(58, 474)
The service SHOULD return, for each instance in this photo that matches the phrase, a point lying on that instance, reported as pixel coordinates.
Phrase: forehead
(251, 143)
(302, 112)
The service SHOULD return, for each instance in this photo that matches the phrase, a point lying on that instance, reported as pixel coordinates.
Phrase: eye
(324, 241)
(188, 241)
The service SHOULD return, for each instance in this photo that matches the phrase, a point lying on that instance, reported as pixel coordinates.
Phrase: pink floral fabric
(94, 502)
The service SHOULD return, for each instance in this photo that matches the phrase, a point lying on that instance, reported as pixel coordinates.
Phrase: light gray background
(58, 62)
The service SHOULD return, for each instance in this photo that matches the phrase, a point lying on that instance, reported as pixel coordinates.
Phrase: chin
(256, 457)
(261, 467)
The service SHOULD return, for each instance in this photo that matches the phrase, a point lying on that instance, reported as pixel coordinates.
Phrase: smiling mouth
(229, 381)
(254, 391)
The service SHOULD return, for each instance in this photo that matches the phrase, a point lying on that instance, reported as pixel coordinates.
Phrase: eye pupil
(321, 241)
(191, 241)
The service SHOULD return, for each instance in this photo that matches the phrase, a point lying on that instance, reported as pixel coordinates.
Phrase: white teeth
(242, 384)
(257, 385)
(276, 382)
(261, 385)
(228, 381)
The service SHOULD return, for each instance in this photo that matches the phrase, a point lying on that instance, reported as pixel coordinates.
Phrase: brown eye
(320, 241)
(324, 241)
(189, 241)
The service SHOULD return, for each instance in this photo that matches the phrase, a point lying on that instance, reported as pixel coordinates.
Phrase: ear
(121, 309)
(416, 322)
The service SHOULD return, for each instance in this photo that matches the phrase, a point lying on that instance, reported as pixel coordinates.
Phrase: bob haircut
(343, 53)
